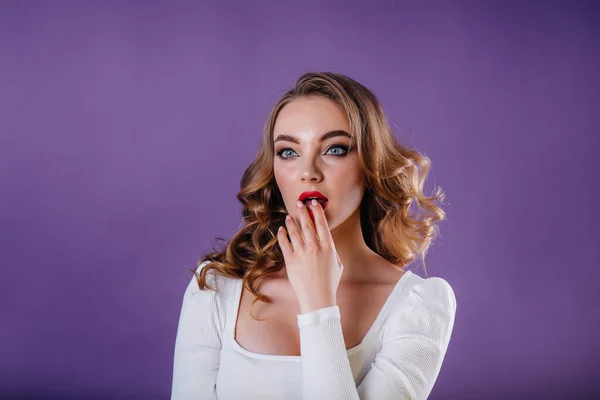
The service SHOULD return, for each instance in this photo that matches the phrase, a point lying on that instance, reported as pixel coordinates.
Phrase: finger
(294, 232)
(298, 220)
(321, 224)
(285, 245)
(308, 231)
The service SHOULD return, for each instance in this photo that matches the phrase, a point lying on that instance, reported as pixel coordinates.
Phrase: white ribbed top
(399, 358)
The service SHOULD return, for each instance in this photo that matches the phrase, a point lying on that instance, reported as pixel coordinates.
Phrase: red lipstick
(305, 197)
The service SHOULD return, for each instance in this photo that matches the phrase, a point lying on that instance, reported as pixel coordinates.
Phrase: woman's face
(313, 165)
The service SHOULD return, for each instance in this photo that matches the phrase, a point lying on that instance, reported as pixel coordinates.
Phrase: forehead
(310, 114)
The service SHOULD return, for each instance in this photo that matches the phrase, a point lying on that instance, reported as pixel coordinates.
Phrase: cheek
(348, 193)
(349, 182)
(282, 177)
(351, 194)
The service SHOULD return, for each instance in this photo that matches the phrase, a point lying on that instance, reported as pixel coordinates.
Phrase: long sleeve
(408, 363)
(198, 343)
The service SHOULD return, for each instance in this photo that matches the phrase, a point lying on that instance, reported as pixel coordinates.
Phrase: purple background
(125, 128)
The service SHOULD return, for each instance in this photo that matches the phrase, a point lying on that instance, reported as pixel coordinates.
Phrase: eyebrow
(326, 136)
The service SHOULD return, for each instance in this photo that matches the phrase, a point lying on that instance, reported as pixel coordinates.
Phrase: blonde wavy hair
(395, 177)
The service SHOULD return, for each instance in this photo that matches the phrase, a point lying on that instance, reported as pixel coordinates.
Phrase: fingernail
(299, 204)
(314, 202)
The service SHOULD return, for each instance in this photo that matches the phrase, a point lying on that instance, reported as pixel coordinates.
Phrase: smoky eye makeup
(284, 152)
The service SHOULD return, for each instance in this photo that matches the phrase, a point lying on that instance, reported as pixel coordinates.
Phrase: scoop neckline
(350, 351)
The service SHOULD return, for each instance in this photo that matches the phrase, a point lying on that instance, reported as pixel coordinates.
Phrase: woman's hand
(312, 264)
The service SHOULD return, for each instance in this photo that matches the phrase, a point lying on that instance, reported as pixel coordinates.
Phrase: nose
(311, 173)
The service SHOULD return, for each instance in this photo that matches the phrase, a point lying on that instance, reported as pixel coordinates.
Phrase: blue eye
(280, 152)
(346, 150)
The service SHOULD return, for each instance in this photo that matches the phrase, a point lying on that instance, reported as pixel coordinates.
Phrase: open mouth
(307, 197)
(322, 202)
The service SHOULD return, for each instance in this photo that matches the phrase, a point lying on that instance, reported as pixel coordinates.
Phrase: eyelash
(345, 148)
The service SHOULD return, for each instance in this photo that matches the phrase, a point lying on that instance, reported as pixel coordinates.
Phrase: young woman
(327, 230)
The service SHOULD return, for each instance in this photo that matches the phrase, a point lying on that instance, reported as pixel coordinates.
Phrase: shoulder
(425, 302)
(433, 290)
(214, 299)
(224, 286)
(210, 274)
(424, 308)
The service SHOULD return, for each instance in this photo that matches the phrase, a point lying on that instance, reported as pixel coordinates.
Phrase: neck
(354, 253)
